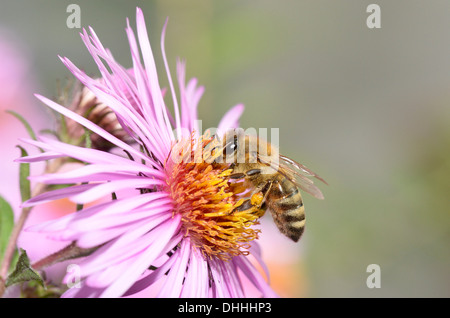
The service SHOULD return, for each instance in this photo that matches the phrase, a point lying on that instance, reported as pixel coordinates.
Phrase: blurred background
(367, 109)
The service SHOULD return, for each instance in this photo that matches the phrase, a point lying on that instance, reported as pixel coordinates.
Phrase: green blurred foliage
(369, 110)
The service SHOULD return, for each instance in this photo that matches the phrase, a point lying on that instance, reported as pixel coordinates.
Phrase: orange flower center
(208, 202)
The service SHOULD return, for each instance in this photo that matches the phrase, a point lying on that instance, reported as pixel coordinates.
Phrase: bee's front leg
(242, 175)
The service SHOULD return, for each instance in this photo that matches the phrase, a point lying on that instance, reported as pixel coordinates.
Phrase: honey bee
(275, 184)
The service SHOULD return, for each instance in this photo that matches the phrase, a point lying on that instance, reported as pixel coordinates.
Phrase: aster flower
(170, 220)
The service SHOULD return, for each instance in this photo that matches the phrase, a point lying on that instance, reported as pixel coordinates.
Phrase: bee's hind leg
(257, 199)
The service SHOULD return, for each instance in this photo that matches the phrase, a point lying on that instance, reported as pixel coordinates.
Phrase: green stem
(71, 251)
(10, 248)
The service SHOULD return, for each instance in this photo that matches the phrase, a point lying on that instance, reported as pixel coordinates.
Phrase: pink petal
(92, 239)
(40, 157)
(148, 110)
(148, 280)
(255, 251)
(96, 129)
(230, 119)
(152, 76)
(83, 292)
(100, 190)
(174, 96)
(84, 173)
(110, 221)
(106, 277)
(57, 194)
(140, 264)
(254, 276)
(196, 283)
(190, 97)
(121, 249)
(173, 285)
(125, 112)
(219, 288)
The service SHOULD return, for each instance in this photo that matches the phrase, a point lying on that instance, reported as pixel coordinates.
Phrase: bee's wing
(297, 174)
(298, 168)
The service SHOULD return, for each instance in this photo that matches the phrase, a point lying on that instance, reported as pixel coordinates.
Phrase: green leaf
(48, 132)
(35, 290)
(6, 224)
(23, 272)
(26, 124)
(14, 260)
(25, 187)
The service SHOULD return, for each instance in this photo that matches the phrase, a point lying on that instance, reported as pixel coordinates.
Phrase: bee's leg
(247, 205)
(264, 192)
(237, 176)
(257, 199)
(241, 175)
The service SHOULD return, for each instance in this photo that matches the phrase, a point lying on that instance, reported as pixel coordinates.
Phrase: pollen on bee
(207, 201)
(257, 199)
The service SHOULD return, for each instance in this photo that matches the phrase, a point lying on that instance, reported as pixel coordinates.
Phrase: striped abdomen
(286, 205)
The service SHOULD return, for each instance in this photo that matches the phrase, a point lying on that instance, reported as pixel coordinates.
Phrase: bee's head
(238, 147)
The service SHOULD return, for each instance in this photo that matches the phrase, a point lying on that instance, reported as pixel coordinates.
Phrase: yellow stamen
(207, 202)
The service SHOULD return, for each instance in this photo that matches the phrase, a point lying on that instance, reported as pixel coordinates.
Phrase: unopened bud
(86, 104)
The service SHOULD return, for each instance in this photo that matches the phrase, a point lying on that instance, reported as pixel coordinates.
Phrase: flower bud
(86, 104)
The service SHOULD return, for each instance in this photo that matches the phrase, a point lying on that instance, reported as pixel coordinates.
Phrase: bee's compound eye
(231, 147)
